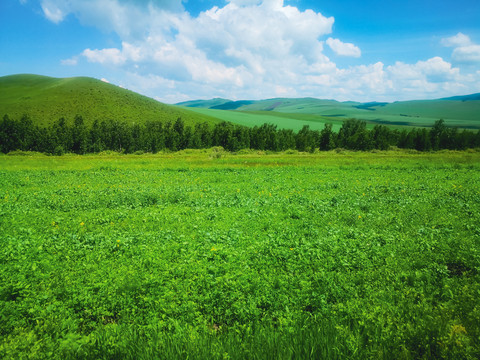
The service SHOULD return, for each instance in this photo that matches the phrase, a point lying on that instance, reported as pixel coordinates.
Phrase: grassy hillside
(205, 103)
(46, 99)
(461, 111)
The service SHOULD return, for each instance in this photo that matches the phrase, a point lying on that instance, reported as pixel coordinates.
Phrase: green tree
(326, 141)
(381, 137)
(306, 139)
(62, 135)
(354, 135)
(178, 141)
(94, 138)
(287, 139)
(422, 140)
(437, 132)
(223, 135)
(79, 136)
(9, 139)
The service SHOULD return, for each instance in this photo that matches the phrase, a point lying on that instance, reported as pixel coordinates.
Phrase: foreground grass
(241, 256)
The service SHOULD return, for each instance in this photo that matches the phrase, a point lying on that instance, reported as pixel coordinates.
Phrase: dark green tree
(79, 136)
(437, 134)
(381, 137)
(94, 138)
(62, 136)
(306, 139)
(327, 137)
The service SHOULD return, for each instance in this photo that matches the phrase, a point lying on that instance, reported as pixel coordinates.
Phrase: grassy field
(281, 120)
(46, 99)
(462, 112)
(254, 256)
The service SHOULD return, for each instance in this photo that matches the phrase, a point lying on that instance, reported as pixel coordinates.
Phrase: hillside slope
(46, 99)
(460, 111)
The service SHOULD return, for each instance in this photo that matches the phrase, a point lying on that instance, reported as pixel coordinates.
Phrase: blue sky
(175, 50)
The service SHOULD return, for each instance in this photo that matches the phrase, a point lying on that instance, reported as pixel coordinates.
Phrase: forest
(154, 136)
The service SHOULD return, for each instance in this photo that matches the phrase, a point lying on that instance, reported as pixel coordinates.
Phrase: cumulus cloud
(467, 54)
(242, 43)
(248, 49)
(465, 51)
(457, 40)
(53, 11)
(114, 56)
(429, 78)
(343, 49)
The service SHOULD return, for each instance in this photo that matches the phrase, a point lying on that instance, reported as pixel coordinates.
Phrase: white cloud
(53, 11)
(465, 51)
(114, 56)
(250, 49)
(467, 54)
(70, 62)
(432, 78)
(104, 56)
(437, 69)
(457, 40)
(343, 49)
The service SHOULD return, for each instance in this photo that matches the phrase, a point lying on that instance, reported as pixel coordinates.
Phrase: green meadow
(294, 122)
(207, 255)
(460, 112)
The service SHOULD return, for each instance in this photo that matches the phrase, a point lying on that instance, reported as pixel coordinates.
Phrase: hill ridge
(46, 99)
(458, 111)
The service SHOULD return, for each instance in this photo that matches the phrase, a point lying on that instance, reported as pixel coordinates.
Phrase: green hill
(46, 99)
(205, 103)
(460, 111)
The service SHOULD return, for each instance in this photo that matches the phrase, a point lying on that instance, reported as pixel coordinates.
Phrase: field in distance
(461, 111)
(310, 256)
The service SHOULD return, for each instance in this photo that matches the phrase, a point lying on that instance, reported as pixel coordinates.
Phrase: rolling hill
(46, 99)
(458, 111)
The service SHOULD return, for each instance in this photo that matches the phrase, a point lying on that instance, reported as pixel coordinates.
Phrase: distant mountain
(471, 97)
(204, 103)
(46, 99)
(458, 111)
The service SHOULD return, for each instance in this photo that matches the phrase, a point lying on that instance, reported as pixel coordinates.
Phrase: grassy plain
(281, 120)
(331, 255)
(462, 112)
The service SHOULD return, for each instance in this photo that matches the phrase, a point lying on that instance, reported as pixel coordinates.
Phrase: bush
(217, 152)
(244, 152)
(59, 150)
(23, 153)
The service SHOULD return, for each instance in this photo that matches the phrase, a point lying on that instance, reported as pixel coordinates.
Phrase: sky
(178, 50)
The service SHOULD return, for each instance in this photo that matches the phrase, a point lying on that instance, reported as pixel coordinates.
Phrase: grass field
(281, 256)
(281, 120)
(462, 112)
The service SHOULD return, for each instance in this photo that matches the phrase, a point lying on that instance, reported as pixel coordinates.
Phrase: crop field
(254, 256)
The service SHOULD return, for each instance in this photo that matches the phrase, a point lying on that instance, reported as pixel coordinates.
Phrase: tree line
(154, 136)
